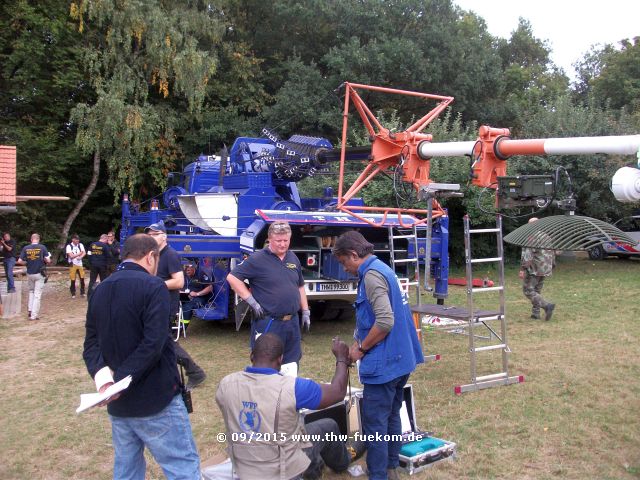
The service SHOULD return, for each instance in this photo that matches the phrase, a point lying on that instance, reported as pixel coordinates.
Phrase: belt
(284, 318)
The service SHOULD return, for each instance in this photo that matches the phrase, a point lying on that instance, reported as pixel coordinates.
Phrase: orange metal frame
(388, 150)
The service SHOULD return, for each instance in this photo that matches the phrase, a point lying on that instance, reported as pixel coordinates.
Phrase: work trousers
(380, 420)
(532, 289)
(35, 281)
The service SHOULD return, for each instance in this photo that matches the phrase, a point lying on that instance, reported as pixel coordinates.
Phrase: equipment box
(341, 412)
(419, 449)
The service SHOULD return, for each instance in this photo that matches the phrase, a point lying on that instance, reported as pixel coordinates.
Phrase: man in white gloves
(275, 293)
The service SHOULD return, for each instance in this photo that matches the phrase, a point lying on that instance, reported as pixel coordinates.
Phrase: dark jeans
(330, 452)
(381, 415)
(189, 306)
(95, 273)
(9, 263)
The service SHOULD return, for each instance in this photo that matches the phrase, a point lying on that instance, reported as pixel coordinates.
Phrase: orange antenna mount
(388, 150)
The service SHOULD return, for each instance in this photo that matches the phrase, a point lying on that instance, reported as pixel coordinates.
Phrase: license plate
(333, 287)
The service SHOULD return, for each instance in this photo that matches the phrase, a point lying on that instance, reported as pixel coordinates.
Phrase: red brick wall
(7, 175)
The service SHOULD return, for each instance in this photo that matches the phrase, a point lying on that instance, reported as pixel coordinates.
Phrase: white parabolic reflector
(625, 185)
(212, 211)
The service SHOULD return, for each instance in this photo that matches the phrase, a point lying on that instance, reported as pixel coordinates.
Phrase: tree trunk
(76, 210)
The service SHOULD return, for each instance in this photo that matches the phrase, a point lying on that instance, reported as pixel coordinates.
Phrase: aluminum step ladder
(411, 236)
(493, 320)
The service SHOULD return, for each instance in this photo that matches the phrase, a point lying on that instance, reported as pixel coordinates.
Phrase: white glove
(306, 320)
(258, 311)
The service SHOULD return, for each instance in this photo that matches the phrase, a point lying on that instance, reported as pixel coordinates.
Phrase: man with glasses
(277, 293)
(126, 334)
(170, 270)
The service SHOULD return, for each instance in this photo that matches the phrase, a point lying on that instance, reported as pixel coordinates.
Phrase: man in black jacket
(99, 257)
(126, 334)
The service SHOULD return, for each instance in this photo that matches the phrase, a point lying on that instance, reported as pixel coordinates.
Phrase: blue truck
(218, 209)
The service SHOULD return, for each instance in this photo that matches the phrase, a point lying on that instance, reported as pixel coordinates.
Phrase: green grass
(575, 416)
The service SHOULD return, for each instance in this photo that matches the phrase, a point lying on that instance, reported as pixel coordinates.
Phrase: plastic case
(416, 455)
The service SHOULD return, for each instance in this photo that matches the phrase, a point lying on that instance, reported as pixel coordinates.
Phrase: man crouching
(260, 406)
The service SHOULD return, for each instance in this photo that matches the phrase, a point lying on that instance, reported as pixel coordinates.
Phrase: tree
(40, 80)
(619, 80)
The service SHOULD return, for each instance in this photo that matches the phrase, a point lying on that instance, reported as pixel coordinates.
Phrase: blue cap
(156, 227)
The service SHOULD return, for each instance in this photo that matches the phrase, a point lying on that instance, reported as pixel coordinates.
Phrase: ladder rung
(491, 377)
(485, 260)
(484, 230)
(403, 236)
(486, 289)
(405, 260)
(490, 347)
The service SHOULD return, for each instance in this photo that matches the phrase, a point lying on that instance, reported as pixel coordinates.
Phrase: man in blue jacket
(126, 334)
(387, 346)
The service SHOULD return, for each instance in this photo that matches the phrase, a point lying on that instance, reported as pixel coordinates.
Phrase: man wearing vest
(386, 345)
(260, 409)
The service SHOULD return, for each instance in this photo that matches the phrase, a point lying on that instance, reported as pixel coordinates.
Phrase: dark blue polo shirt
(308, 393)
(274, 283)
(100, 254)
(34, 254)
(126, 330)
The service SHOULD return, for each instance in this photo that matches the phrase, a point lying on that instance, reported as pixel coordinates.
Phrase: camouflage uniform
(536, 264)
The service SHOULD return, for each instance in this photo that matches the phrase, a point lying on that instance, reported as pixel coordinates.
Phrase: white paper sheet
(88, 400)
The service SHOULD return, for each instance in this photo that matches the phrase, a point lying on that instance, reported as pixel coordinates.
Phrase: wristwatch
(362, 350)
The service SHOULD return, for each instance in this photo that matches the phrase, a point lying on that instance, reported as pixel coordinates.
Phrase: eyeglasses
(155, 234)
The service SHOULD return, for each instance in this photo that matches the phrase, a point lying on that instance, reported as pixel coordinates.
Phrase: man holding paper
(126, 334)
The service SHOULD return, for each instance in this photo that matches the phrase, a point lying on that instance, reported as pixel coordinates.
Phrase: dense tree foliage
(123, 92)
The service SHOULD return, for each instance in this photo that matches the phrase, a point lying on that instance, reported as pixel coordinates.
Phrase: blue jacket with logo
(400, 351)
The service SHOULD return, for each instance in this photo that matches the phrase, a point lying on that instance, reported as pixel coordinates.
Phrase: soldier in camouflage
(535, 265)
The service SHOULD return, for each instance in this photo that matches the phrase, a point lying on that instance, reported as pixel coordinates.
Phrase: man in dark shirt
(277, 292)
(126, 334)
(170, 270)
(35, 256)
(8, 254)
(114, 260)
(99, 256)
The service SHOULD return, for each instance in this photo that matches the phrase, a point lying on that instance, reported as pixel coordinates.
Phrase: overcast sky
(570, 26)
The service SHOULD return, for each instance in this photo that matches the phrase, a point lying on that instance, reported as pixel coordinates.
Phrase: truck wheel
(597, 253)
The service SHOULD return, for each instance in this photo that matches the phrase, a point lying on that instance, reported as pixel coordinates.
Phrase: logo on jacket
(249, 417)
(292, 266)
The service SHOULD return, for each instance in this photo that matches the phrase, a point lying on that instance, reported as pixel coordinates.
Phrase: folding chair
(179, 325)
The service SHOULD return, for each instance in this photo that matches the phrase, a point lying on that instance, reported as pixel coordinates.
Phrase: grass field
(576, 416)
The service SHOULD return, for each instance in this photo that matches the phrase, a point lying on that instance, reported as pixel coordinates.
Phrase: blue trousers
(381, 418)
(287, 330)
(168, 437)
(9, 263)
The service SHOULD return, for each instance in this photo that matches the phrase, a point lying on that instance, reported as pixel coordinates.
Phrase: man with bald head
(535, 265)
(260, 409)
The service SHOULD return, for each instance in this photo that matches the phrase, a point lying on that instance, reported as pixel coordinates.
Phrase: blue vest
(400, 351)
